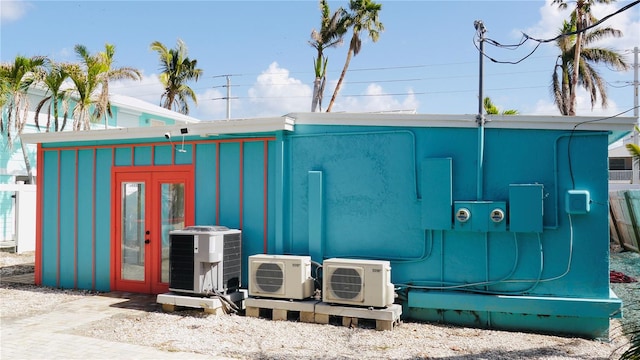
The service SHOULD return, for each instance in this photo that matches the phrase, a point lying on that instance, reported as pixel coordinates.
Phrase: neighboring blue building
(502, 226)
(126, 112)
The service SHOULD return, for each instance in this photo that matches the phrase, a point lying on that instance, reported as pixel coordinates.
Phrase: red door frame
(152, 176)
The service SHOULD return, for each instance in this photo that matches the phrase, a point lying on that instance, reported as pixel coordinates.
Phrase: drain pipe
(480, 119)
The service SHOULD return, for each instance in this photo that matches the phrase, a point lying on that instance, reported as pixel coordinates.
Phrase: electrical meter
(497, 215)
(463, 215)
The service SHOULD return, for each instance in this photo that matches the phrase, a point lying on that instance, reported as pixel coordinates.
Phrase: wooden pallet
(278, 309)
(315, 311)
(212, 305)
(385, 318)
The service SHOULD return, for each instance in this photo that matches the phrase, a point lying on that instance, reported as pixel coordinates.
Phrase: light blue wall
(369, 197)
(373, 206)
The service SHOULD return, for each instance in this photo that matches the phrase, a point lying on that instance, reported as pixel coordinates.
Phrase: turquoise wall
(374, 208)
(382, 193)
(77, 190)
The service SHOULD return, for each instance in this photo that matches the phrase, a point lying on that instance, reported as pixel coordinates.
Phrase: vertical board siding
(85, 220)
(229, 185)
(102, 210)
(253, 198)
(75, 220)
(143, 155)
(123, 156)
(50, 218)
(206, 182)
(68, 215)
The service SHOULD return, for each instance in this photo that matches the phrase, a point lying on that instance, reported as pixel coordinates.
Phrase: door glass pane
(172, 218)
(133, 231)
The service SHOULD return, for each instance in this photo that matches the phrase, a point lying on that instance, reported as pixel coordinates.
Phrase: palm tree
(332, 29)
(103, 105)
(492, 109)
(563, 85)
(16, 79)
(177, 69)
(363, 16)
(634, 149)
(91, 81)
(581, 18)
(53, 81)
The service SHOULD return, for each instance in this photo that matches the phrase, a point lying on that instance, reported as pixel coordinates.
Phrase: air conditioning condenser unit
(205, 260)
(280, 276)
(357, 282)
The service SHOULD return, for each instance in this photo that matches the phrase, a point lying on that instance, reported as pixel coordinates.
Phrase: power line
(526, 37)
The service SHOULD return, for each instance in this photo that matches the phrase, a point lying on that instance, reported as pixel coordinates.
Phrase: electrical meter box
(480, 216)
(526, 207)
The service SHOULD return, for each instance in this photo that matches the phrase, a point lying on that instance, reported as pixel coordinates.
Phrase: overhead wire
(526, 37)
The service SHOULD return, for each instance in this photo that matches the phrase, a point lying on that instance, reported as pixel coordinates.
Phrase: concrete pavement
(48, 335)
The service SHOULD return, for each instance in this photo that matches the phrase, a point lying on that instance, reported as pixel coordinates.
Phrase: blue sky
(425, 60)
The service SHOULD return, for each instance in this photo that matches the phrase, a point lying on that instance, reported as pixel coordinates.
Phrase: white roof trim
(539, 122)
(287, 123)
(203, 129)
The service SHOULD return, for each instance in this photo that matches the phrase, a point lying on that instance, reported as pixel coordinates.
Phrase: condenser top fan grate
(269, 277)
(346, 283)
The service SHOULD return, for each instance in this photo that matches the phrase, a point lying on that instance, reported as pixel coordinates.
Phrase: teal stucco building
(500, 226)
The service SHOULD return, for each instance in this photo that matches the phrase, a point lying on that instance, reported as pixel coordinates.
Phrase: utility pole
(479, 25)
(228, 97)
(634, 164)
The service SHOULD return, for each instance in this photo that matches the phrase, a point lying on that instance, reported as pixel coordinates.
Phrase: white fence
(19, 217)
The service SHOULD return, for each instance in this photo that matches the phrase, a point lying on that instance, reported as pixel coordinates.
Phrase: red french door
(147, 205)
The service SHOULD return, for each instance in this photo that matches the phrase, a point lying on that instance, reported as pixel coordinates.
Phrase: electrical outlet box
(577, 202)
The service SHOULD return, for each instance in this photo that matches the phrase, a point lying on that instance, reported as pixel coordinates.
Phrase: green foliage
(332, 29)
(634, 149)
(177, 70)
(491, 109)
(575, 64)
(362, 16)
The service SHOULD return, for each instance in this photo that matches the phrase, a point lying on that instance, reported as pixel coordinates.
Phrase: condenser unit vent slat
(181, 262)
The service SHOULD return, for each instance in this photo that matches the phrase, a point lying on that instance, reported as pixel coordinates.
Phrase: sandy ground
(243, 337)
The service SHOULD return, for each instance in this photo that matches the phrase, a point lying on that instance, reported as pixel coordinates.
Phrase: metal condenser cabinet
(205, 260)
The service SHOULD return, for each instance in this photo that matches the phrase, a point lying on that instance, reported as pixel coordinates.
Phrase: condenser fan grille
(269, 277)
(346, 283)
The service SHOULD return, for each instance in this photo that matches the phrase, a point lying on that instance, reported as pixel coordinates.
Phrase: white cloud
(148, 89)
(275, 93)
(212, 105)
(547, 107)
(13, 10)
(374, 99)
(627, 21)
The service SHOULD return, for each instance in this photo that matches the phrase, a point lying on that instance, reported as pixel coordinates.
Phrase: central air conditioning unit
(357, 282)
(205, 260)
(280, 276)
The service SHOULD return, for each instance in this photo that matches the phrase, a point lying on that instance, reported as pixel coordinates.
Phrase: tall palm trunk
(580, 21)
(315, 102)
(27, 162)
(574, 76)
(342, 75)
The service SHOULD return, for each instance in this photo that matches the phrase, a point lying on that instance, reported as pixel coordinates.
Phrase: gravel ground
(242, 337)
